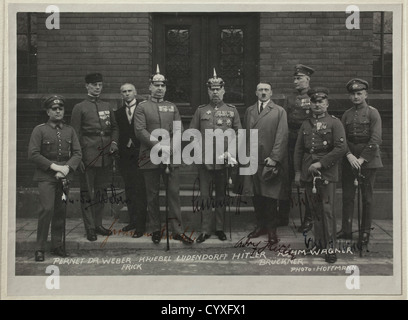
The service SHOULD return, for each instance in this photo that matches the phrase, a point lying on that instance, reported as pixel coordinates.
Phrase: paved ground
(121, 266)
(381, 234)
(120, 253)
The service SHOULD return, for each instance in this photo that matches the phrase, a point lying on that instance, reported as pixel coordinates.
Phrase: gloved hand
(269, 162)
(113, 147)
(59, 175)
(166, 152)
(314, 168)
(63, 169)
(353, 161)
(228, 158)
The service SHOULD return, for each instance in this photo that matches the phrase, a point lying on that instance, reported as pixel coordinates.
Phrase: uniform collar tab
(92, 98)
(361, 106)
(318, 116)
(56, 124)
(217, 105)
(303, 91)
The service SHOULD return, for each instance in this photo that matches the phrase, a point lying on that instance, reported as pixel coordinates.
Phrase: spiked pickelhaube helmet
(215, 81)
(158, 77)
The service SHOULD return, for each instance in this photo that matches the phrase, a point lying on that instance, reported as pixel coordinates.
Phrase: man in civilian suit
(129, 147)
(267, 186)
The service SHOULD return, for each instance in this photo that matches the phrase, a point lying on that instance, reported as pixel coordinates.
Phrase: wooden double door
(188, 46)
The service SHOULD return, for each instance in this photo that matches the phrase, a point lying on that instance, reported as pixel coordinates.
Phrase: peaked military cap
(318, 93)
(215, 81)
(302, 70)
(53, 100)
(356, 85)
(93, 77)
(158, 77)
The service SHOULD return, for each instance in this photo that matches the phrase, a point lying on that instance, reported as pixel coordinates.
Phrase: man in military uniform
(54, 149)
(215, 115)
(363, 128)
(320, 145)
(95, 125)
(129, 147)
(268, 184)
(298, 110)
(156, 113)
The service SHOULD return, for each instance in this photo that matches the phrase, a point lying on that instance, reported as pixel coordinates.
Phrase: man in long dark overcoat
(267, 185)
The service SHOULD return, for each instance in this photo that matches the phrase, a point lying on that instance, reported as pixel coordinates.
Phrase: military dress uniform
(150, 115)
(213, 176)
(363, 129)
(297, 107)
(52, 143)
(94, 122)
(156, 113)
(321, 139)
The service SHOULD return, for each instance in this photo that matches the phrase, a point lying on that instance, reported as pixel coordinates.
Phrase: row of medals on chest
(219, 114)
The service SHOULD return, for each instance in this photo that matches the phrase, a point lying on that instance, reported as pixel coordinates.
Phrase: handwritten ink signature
(311, 243)
(101, 154)
(131, 233)
(109, 195)
(144, 158)
(103, 197)
(261, 246)
(200, 204)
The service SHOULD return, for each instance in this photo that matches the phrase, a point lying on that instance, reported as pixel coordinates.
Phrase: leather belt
(311, 151)
(61, 159)
(358, 140)
(96, 133)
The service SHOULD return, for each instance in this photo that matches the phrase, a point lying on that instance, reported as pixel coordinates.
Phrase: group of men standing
(299, 143)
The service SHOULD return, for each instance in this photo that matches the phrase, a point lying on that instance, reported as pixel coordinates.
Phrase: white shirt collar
(264, 104)
(131, 102)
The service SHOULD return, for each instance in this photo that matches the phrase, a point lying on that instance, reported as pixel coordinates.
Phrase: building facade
(244, 48)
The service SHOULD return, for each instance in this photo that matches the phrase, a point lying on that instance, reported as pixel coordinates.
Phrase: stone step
(381, 237)
(27, 203)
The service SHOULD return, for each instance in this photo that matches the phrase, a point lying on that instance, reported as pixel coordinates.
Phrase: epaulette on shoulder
(372, 108)
(334, 117)
(202, 105)
(40, 125)
(230, 105)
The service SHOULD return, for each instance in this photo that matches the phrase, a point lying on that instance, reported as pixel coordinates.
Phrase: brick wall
(317, 39)
(322, 41)
(116, 44)
(119, 45)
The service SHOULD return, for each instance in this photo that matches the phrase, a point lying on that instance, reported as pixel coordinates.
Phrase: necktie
(128, 109)
(261, 107)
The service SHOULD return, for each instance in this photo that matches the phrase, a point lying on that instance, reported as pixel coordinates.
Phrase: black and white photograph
(203, 150)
